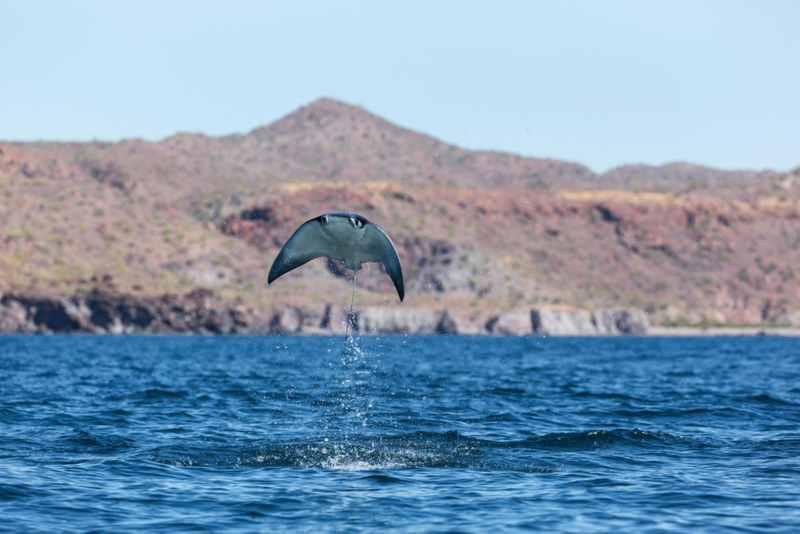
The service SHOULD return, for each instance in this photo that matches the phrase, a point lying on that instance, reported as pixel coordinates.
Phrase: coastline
(106, 311)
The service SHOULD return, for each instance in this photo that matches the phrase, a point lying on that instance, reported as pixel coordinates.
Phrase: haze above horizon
(711, 83)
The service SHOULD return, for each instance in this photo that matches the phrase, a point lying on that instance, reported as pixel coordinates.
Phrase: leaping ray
(347, 237)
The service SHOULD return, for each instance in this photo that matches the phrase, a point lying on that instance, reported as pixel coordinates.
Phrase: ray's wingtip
(272, 276)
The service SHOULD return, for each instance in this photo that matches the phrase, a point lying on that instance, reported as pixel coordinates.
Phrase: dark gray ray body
(347, 237)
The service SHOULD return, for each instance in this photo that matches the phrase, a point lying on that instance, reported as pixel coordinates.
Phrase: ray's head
(354, 220)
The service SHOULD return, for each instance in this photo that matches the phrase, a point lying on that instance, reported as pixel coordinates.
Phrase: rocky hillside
(478, 232)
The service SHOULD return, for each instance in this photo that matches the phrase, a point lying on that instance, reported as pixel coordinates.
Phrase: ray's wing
(377, 241)
(307, 243)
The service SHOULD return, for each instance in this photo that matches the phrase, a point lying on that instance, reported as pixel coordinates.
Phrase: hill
(477, 231)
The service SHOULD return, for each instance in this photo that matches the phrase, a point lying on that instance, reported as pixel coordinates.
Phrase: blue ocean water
(405, 434)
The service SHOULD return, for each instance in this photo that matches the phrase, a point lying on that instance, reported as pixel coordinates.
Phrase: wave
(85, 441)
(595, 439)
(416, 450)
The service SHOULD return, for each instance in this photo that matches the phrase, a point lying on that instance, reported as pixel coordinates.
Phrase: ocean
(399, 434)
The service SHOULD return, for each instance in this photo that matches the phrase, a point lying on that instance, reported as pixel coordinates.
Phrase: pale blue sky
(600, 83)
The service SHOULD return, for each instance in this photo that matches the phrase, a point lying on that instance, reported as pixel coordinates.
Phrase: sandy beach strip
(690, 331)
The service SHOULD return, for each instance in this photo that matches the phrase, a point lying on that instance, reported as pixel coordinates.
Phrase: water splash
(357, 384)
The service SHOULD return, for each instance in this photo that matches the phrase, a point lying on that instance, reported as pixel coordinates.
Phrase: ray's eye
(323, 219)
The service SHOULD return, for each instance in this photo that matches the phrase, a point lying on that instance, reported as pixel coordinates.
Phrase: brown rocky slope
(479, 234)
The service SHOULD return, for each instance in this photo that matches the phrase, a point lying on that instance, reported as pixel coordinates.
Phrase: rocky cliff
(103, 311)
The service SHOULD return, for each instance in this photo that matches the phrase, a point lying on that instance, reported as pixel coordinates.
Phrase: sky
(715, 83)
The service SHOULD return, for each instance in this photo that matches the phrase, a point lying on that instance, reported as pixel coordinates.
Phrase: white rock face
(292, 320)
(631, 321)
(580, 323)
(562, 323)
(451, 323)
(398, 321)
(287, 321)
(513, 323)
(378, 320)
(605, 323)
(14, 318)
(583, 323)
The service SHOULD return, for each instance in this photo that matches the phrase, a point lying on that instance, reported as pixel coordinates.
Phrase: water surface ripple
(433, 434)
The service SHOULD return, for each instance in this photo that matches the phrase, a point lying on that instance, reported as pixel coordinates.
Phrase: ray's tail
(350, 317)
